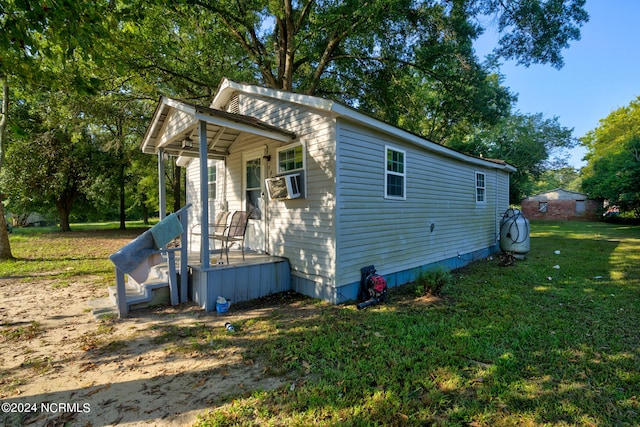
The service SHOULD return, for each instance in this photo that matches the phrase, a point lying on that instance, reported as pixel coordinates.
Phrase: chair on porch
(220, 225)
(234, 233)
(218, 228)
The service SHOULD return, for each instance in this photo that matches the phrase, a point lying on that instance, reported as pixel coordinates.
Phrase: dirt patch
(61, 366)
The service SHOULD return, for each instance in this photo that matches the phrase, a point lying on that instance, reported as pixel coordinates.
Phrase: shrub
(431, 282)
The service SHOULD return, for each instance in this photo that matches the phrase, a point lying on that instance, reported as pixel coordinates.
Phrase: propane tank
(514, 233)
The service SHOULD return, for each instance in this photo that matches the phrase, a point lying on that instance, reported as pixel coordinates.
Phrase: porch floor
(235, 259)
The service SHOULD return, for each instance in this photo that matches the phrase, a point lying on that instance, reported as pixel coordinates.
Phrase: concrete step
(154, 291)
(146, 295)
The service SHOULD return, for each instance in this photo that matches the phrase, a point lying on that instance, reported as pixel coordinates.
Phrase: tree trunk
(5, 246)
(145, 209)
(64, 208)
(123, 219)
(63, 213)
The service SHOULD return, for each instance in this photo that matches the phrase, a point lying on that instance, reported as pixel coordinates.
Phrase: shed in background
(561, 204)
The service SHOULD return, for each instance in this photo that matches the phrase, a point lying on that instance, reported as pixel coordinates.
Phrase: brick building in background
(561, 204)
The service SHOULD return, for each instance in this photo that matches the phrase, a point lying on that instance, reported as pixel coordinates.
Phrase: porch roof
(174, 121)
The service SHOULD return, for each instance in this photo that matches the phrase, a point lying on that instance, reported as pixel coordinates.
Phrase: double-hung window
(290, 159)
(395, 173)
(480, 188)
(291, 162)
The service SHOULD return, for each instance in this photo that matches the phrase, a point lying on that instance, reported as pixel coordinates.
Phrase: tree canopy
(408, 62)
(613, 158)
(527, 141)
(367, 54)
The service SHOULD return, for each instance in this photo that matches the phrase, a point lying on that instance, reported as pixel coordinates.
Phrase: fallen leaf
(199, 383)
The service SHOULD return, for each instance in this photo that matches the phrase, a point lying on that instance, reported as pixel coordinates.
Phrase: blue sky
(601, 71)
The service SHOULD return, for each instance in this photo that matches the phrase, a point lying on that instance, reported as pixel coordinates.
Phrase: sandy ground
(61, 366)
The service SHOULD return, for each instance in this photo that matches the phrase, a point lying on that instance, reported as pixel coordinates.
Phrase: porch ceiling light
(187, 143)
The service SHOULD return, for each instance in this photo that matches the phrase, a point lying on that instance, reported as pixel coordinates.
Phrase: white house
(368, 192)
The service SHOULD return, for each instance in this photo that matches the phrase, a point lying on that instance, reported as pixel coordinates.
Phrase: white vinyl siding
(193, 196)
(373, 231)
(177, 122)
(346, 221)
(302, 229)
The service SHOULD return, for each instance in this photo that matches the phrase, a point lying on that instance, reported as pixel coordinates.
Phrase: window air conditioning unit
(284, 187)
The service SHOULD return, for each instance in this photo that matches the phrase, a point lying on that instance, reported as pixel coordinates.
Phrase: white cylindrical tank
(514, 233)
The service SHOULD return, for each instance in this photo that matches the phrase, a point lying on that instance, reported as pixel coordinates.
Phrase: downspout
(204, 195)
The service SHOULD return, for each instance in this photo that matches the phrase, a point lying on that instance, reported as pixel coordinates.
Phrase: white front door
(254, 200)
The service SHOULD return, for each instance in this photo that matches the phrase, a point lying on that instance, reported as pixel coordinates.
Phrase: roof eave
(418, 140)
(220, 118)
(228, 87)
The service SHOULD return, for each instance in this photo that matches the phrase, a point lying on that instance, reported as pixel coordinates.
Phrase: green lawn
(50, 253)
(525, 345)
(528, 344)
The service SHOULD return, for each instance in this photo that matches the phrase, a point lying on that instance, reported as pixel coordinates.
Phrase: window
(580, 206)
(480, 188)
(290, 159)
(213, 174)
(542, 207)
(395, 174)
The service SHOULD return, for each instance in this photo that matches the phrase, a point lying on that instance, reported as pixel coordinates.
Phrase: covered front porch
(189, 132)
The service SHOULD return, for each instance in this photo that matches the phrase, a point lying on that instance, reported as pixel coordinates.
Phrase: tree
(567, 178)
(52, 156)
(525, 141)
(613, 158)
(535, 32)
(368, 54)
(293, 45)
(346, 50)
(32, 32)
(115, 121)
(5, 245)
(440, 112)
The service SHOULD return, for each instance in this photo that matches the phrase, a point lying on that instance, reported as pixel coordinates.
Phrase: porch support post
(162, 192)
(204, 195)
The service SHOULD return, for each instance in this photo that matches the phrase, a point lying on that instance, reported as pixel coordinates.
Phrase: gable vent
(234, 105)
